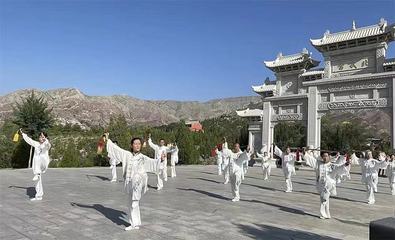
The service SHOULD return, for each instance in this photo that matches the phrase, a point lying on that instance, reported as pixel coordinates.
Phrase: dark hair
(323, 152)
(115, 141)
(136, 138)
(161, 139)
(45, 134)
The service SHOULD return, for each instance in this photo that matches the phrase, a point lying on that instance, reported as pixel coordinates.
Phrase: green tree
(292, 134)
(33, 116)
(71, 157)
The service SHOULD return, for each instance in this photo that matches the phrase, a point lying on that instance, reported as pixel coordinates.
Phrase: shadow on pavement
(262, 231)
(30, 191)
(205, 193)
(115, 216)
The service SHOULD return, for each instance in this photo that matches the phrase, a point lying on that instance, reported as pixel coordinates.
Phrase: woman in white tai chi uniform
(160, 150)
(237, 159)
(287, 161)
(40, 160)
(326, 174)
(369, 172)
(173, 159)
(135, 167)
(266, 168)
(218, 152)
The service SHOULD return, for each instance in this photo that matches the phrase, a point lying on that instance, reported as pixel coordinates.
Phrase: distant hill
(72, 106)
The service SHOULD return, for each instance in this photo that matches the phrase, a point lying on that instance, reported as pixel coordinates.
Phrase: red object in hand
(297, 154)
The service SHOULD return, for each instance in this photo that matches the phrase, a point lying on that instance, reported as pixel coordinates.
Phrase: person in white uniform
(266, 168)
(287, 161)
(135, 167)
(160, 150)
(173, 159)
(237, 159)
(218, 153)
(369, 172)
(326, 174)
(40, 160)
(391, 172)
(113, 166)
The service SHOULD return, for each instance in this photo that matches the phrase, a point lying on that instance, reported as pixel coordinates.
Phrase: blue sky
(181, 50)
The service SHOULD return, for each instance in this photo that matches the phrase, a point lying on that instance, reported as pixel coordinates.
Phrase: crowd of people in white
(232, 164)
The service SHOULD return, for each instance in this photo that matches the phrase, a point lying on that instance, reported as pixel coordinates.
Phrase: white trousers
(288, 181)
(266, 171)
(114, 172)
(235, 181)
(219, 169)
(160, 180)
(226, 174)
(134, 212)
(392, 186)
(173, 171)
(370, 191)
(324, 209)
(39, 187)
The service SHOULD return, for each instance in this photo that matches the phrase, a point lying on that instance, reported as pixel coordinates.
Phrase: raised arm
(380, 164)
(311, 161)
(278, 152)
(340, 169)
(151, 165)
(152, 145)
(115, 152)
(30, 141)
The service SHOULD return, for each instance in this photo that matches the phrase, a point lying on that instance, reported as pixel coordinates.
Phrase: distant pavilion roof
(293, 59)
(264, 88)
(352, 34)
(250, 112)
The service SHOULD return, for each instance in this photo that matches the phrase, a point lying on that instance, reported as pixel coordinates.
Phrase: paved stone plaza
(83, 204)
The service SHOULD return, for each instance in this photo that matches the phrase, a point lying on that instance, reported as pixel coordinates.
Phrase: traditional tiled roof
(388, 62)
(313, 72)
(264, 88)
(353, 33)
(288, 59)
(250, 113)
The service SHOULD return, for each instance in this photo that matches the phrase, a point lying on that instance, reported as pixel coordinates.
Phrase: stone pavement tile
(199, 208)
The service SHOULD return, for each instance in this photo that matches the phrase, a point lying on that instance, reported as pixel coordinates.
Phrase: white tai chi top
(135, 167)
(40, 157)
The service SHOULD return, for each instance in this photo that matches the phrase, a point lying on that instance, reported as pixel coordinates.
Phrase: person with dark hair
(237, 159)
(135, 166)
(113, 166)
(218, 152)
(369, 172)
(266, 168)
(160, 150)
(391, 172)
(40, 160)
(326, 174)
(173, 159)
(287, 160)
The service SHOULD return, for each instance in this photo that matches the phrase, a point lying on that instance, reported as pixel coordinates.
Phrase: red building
(194, 126)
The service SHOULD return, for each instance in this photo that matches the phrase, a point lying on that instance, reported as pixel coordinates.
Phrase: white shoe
(132, 228)
(159, 188)
(288, 190)
(35, 178)
(226, 182)
(113, 180)
(36, 199)
(235, 199)
(371, 202)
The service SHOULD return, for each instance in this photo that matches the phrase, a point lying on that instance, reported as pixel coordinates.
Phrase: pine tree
(33, 116)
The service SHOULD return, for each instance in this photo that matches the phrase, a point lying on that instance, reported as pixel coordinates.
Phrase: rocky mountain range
(72, 106)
